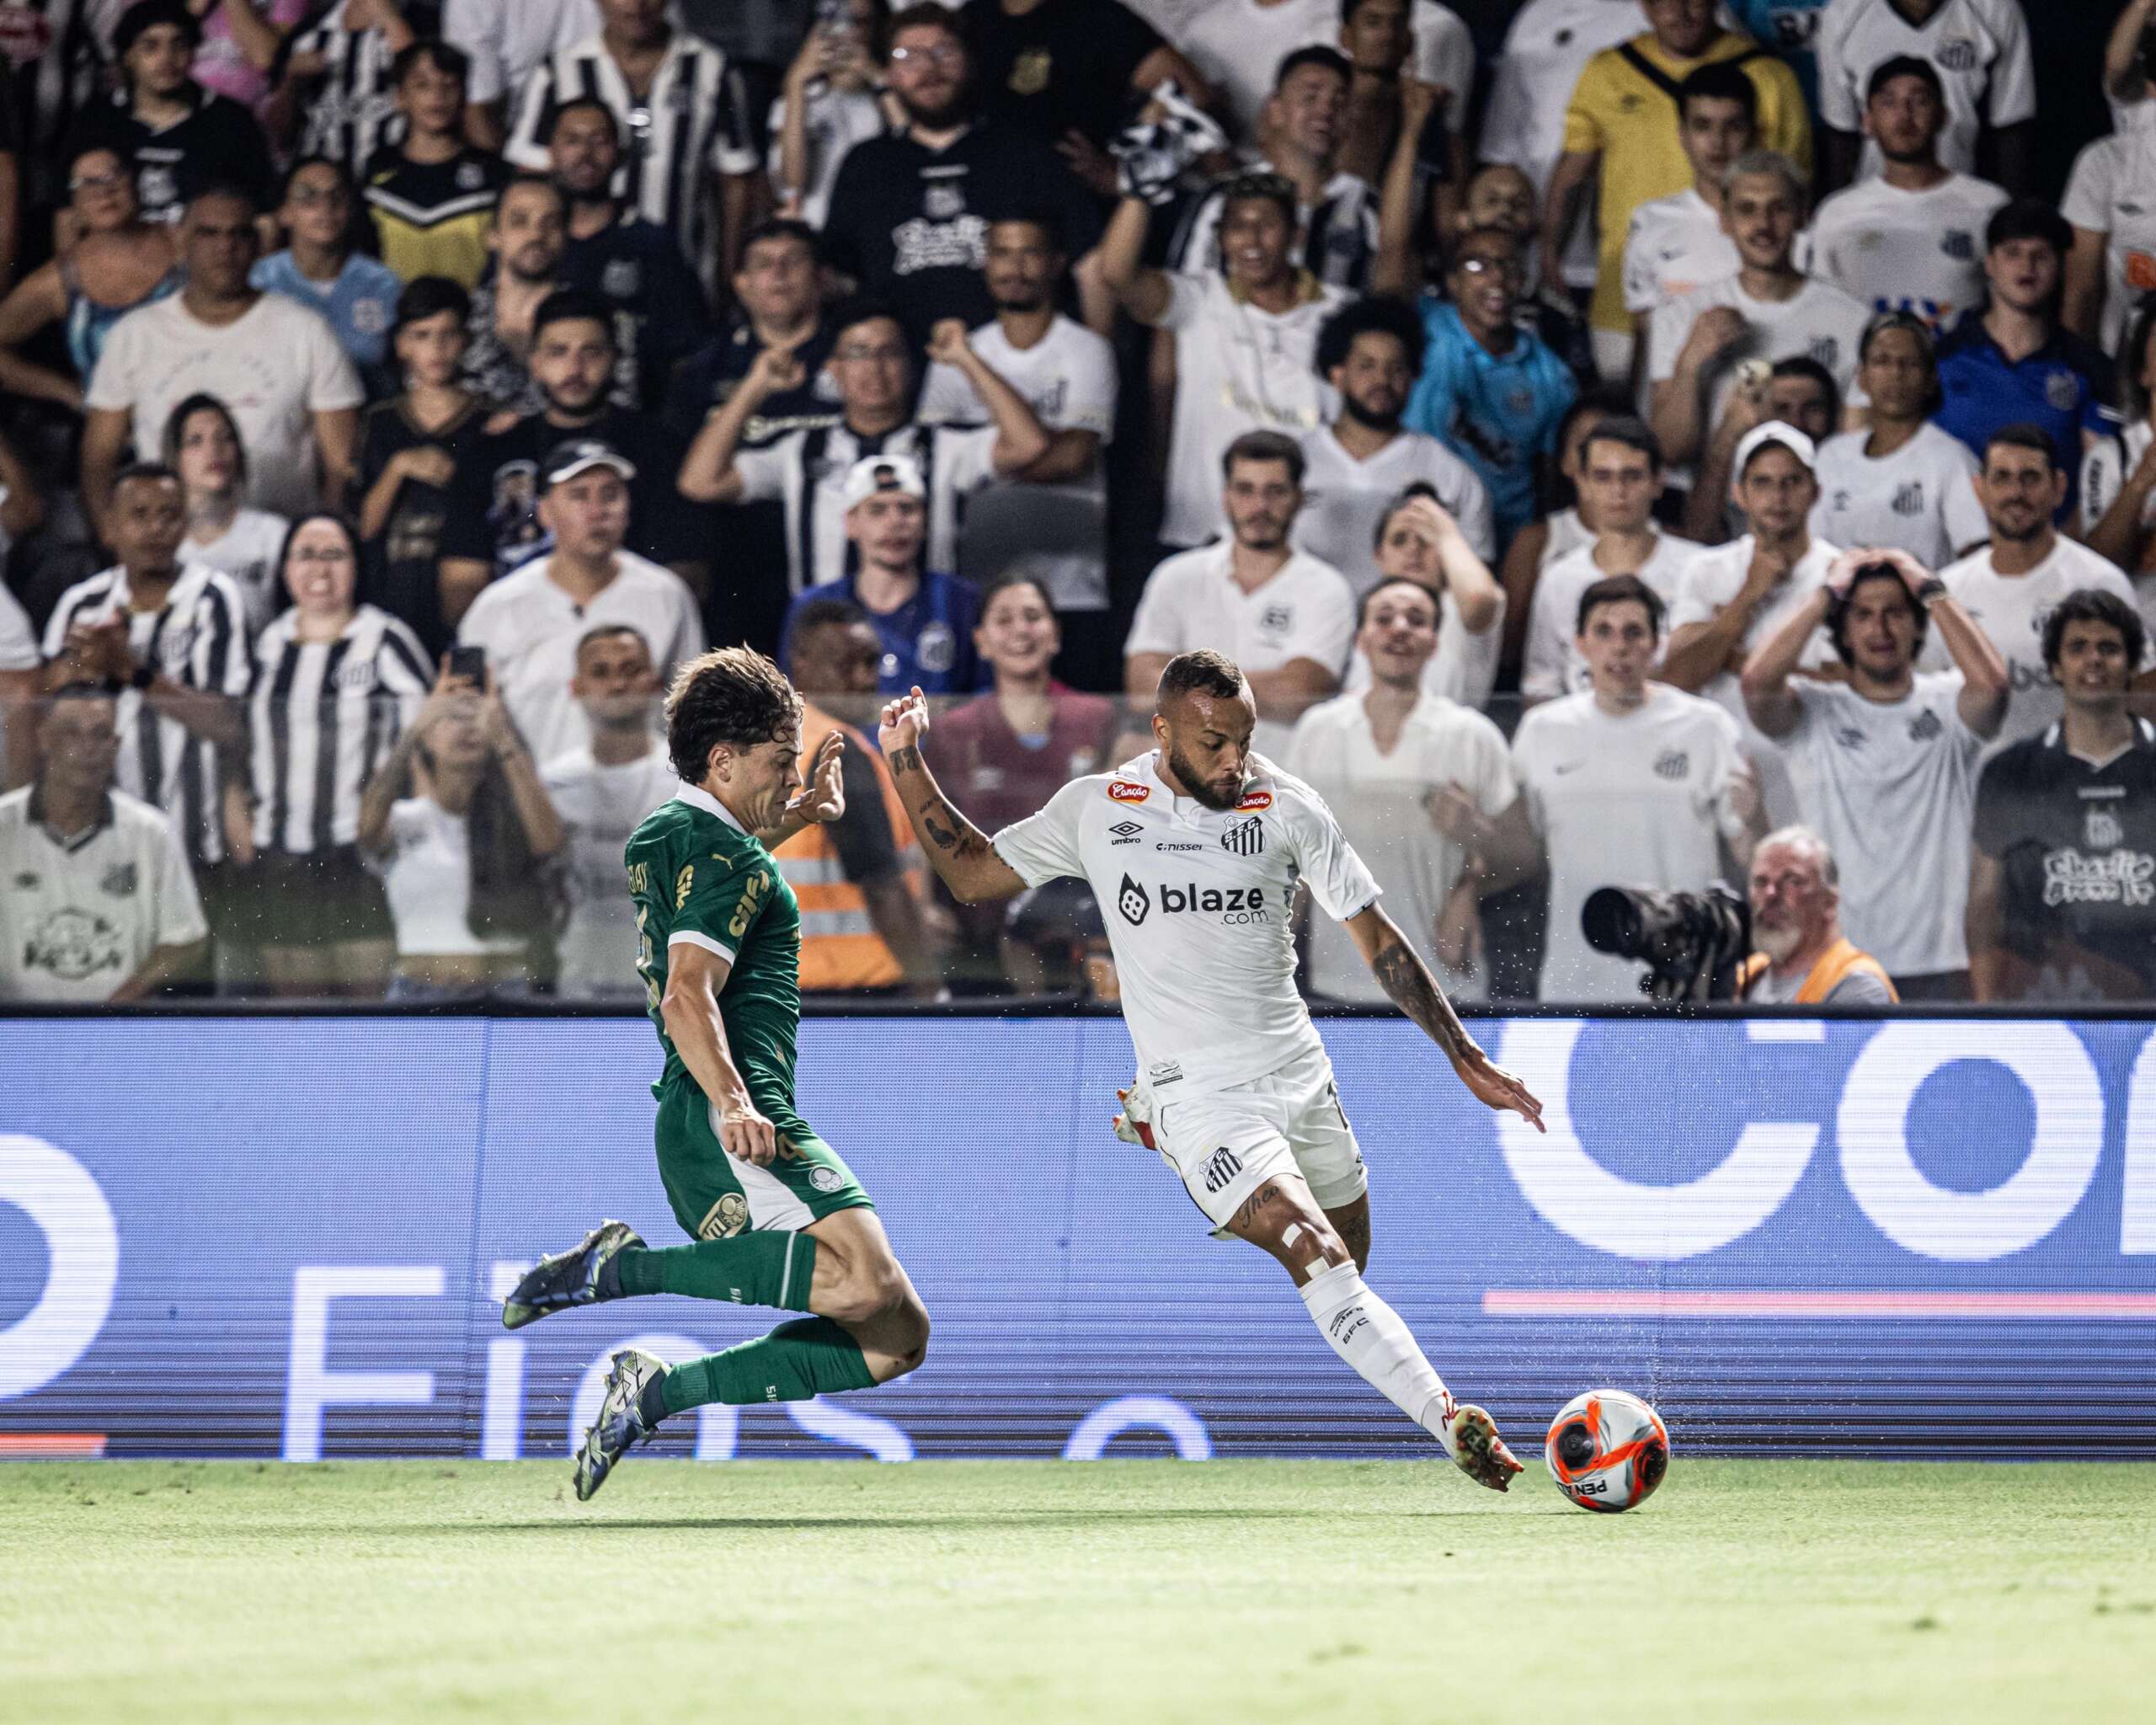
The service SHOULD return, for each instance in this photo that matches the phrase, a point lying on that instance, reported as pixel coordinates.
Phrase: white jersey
(1980, 49)
(2109, 193)
(1639, 799)
(1901, 251)
(1463, 668)
(17, 640)
(508, 39)
(1675, 244)
(247, 551)
(1238, 368)
(83, 914)
(1919, 499)
(1237, 46)
(1546, 49)
(1380, 798)
(1197, 903)
(1891, 786)
(599, 807)
(1193, 600)
(1344, 500)
(1553, 665)
(2012, 610)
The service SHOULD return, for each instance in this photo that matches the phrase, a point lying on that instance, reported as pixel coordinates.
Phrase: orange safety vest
(1837, 961)
(839, 947)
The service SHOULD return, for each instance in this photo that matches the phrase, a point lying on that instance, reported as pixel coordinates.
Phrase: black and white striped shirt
(1340, 234)
(323, 714)
(696, 113)
(198, 641)
(352, 111)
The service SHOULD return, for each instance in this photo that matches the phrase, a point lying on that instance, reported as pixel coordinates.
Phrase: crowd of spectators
(1617, 448)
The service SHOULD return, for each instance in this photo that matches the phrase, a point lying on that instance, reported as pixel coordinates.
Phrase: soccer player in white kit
(1193, 851)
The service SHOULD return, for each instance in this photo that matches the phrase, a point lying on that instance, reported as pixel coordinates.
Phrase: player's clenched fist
(904, 722)
(744, 1132)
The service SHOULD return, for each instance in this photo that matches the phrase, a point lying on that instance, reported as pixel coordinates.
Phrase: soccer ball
(1607, 1450)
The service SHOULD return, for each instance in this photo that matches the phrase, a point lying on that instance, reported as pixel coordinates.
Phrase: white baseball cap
(883, 472)
(1774, 431)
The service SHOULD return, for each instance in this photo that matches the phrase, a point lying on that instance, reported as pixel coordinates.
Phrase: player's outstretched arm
(694, 975)
(1407, 981)
(958, 850)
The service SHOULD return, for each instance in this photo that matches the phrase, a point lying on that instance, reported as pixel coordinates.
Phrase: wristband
(1930, 590)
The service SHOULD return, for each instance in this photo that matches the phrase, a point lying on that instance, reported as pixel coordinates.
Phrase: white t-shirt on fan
(1379, 801)
(1639, 799)
(1891, 786)
(1894, 250)
(247, 551)
(2109, 193)
(1237, 46)
(1553, 664)
(2104, 471)
(2012, 610)
(1198, 905)
(1675, 245)
(1980, 49)
(599, 807)
(1919, 499)
(1344, 500)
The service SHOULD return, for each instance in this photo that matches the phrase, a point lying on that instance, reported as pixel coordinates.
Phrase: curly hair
(735, 695)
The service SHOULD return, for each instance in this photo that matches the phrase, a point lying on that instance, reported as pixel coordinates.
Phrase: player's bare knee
(1311, 1246)
(870, 1288)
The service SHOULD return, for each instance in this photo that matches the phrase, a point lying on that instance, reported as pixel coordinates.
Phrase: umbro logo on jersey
(1123, 790)
(1126, 832)
(1924, 727)
(1246, 839)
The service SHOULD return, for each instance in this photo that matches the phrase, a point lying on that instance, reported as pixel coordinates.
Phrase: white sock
(1371, 1336)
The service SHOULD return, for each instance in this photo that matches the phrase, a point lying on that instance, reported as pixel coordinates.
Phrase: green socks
(811, 1356)
(749, 1269)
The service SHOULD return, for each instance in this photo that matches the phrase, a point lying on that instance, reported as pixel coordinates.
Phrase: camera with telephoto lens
(1691, 942)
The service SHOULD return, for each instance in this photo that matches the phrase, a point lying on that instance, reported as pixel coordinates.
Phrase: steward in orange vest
(1826, 971)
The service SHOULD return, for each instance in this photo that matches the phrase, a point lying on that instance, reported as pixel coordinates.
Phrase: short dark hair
(147, 15)
(577, 305)
(1632, 433)
(1037, 215)
(1021, 572)
(1204, 672)
(927, 15)
(600, 632)
(2028, 218)
(445, 57)
(1456, 252)
(1316, 53)
(531, 177)
(2092, 605)
(1722, 81)
(1839, 606)
(176, 426)
(1377, 315)
(1263, 184)
(822, 613)
(243, 195)
(1620, 589)
(571, 106)
(1264, 446)
(429, 297)
(735, 695)
(1927, 343)
(2023, 434)
(849, 314)
(156, 471)
(1363, 605)
(1904, 65)
(307, 518)
(301, 163)
(1804, 365)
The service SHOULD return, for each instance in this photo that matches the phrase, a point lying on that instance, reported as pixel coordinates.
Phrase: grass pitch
(1132, 1591)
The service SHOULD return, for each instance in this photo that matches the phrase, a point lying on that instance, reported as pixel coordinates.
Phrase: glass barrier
(328, 850)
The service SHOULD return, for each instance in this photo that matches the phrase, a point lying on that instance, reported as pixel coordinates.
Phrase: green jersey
(696, 877)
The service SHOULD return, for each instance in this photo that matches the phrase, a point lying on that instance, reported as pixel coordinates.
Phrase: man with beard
(1803, 959)
(1884, 764)
(528, 239)
(613, 249)
(1288, 618)
(1492, 390)
(1359, 466)
(1909, 239)
(910, 211)
(1067, 375)
(493, 523)
(2011, 586)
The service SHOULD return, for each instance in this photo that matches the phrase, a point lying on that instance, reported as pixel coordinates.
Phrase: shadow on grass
(582, 1523)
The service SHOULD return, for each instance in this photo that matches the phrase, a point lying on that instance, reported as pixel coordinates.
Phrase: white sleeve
(2012, 97)
(1666, 333)
(478, 627)
(965, 459)
(1044, 847)
(1156, 628)
(1338, 878)
(763, 471)
(1508, 122)
(947, 398)
(523, 148)
(1444, 56)
(1186, 296)
(1478, 520)
(477, 28)
(1732, 771)
(331, 382)
(114, 381)
(2087, 204)
(1838, 105)
(1494, 786)
(688, 628)
(1542, 669)
(179, 907)
(1526, 747)
(18, 645)
(1643, 293)
(1964, 516)
(1693, 604)
(1091, 404)
(1329, 639)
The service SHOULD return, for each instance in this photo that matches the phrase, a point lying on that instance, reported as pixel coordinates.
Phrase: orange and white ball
(1607, 1450)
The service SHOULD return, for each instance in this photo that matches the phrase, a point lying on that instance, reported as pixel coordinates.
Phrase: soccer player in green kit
(777, 1217)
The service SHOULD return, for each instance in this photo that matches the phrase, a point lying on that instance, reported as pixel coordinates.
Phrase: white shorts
(1226, 1143)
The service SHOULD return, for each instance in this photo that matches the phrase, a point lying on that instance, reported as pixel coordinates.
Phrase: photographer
(1797, 920)
(1885, 765)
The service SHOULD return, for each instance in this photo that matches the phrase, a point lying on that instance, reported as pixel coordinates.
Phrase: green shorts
(714, 1194)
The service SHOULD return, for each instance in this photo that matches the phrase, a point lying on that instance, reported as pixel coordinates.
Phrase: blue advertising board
(289, 1237)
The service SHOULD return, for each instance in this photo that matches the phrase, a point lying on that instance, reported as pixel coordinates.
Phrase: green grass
(1131, 1591)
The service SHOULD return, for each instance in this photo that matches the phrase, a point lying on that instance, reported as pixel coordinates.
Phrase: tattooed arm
(958, 850)
(1408, 983)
